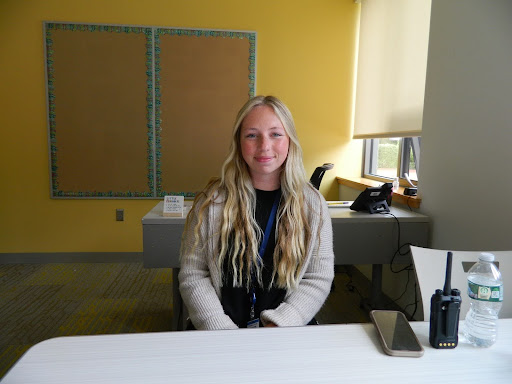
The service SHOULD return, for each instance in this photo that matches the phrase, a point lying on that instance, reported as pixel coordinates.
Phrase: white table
(358, 238)
(313, 354)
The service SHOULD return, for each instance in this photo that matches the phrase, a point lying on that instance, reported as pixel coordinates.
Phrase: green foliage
(388, 154)
(412, 163)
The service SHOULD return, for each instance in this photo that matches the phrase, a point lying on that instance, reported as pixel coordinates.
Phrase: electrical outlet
(120, 214)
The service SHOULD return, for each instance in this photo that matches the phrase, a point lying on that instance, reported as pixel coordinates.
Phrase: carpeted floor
(41, 301)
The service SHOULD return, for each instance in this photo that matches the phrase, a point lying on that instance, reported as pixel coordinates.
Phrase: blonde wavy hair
(239, 233)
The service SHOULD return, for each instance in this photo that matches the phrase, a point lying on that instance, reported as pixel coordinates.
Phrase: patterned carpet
(41, 301)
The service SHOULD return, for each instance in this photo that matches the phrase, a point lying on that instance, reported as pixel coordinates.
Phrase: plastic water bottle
(396, 184)
(485, 290)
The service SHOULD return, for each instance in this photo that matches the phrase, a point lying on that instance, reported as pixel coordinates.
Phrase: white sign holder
(173, 206)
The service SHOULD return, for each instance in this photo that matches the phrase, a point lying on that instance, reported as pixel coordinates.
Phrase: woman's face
(264, 144)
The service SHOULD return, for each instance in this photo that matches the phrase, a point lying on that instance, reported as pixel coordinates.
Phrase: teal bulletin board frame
(126, 148)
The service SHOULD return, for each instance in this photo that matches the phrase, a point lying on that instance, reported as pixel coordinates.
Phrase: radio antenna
(447, 281)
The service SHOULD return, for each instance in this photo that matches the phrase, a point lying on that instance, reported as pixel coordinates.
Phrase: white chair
(430, 268)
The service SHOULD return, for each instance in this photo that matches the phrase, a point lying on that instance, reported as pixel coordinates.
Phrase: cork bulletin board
(142, 112)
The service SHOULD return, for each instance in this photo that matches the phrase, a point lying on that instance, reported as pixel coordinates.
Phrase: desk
(359, 238)
(348, 353)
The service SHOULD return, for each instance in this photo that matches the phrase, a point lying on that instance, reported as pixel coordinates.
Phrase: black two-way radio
(444, 313)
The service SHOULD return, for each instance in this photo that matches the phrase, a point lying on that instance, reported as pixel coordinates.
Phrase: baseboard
(70, 257)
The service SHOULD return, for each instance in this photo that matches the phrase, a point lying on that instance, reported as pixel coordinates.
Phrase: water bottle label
(485, 293)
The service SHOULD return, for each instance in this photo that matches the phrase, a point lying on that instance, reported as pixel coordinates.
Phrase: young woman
(257, 246)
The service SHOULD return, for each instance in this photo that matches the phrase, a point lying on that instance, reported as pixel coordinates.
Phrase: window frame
(370, 153)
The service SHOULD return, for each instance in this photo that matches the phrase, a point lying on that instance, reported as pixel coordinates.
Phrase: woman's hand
(270, 325)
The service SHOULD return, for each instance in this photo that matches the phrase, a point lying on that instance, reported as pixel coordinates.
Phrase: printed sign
(173, 206)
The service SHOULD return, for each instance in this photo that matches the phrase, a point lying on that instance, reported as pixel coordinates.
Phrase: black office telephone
(374, 199)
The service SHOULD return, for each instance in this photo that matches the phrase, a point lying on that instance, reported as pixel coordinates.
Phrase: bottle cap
(485, 256)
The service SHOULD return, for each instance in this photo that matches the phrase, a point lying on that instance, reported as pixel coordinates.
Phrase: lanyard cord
(263, 247)
(270, 223)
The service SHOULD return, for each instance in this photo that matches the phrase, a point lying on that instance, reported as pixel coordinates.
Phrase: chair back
(318, 174)
(430, 268)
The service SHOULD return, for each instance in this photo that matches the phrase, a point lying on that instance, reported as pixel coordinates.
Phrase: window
(391, 157)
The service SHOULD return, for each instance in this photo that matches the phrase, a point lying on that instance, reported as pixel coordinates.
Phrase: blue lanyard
(270, 223)
(263, 247)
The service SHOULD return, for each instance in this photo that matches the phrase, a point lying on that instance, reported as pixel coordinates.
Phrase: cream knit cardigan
(199, 276)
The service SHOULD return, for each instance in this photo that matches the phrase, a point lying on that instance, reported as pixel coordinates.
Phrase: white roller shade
(392, 63)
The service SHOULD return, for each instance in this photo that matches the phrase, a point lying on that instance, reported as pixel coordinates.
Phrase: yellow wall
(305, 56)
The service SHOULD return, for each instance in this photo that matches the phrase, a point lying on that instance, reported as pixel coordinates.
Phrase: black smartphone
(395, 334)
